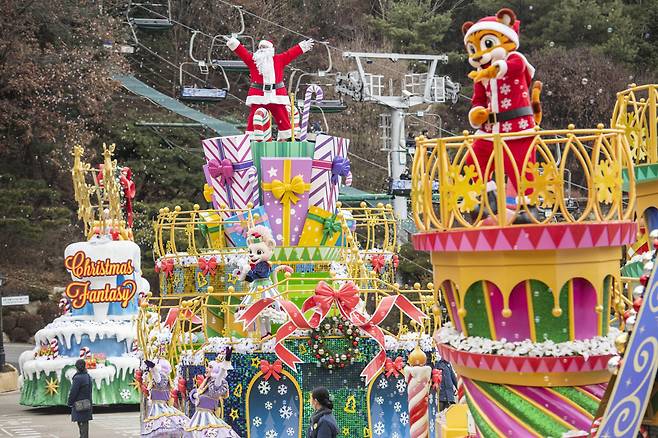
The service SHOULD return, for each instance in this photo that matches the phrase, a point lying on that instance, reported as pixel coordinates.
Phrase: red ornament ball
(637, 304)
(644, 279)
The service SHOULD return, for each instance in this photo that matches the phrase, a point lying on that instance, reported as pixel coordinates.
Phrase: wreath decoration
(327, 358)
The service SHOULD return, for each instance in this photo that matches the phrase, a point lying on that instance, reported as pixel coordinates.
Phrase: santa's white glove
(232, 43)
(306, 45)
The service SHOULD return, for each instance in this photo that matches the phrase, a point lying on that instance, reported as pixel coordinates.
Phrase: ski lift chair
(231, 64)
(325, 106)
(206, 92)
(150, 15)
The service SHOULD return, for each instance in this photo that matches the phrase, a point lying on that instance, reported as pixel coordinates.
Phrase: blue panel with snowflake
(434, 409)
(389, 416)
(273, 408)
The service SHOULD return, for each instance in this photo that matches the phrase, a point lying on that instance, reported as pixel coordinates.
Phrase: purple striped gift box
(329, 160)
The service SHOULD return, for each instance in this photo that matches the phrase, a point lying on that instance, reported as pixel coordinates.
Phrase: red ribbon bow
(166, 266)
(437, 375)
(377, 262)
(346, 300)
(221, 169)
(393, 366)
(208, 266)
(271, 369)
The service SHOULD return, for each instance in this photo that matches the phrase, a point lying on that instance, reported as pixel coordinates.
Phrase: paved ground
(13, 351)
(23, 422)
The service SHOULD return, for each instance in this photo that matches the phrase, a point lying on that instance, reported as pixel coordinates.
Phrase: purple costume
(204, 423)
(162, 420)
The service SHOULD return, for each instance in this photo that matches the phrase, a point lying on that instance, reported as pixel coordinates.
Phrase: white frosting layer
(118, 367)
(65, 327)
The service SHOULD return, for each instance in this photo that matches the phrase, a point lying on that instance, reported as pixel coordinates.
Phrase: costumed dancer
(503, 100)
(267, 89)
(162, 419)
(259, 273)
(204, 423)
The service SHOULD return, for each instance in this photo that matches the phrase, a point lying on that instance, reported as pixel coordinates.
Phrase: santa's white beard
(264, 59)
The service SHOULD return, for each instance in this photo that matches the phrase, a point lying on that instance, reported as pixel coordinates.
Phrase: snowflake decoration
(395, 435)
(607, 181)
(125, 394)
(543, 181)
(268, 405)
(507, 127)
(257, 422)
(401, 386)
(290, 431)
(378, 428)
(523, 124)
(397, 406)
(383, 384)
(505, 89)
(379, 400)
(271, 434)
(282, 389)
(464, 188)
(264, 387)
(506, 103)
(211, 433)
(404, 418)
(636, 134)
(285, 412)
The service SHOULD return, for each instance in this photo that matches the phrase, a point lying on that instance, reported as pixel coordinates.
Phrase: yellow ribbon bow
(208, 192)
(287, 192)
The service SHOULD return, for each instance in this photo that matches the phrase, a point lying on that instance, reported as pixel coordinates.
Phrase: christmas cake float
(100, 304)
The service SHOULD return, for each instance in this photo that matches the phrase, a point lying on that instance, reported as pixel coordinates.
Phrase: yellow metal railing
(635, 113)
(595, 158)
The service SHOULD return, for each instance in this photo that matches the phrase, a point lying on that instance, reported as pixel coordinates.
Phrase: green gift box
(280, 149)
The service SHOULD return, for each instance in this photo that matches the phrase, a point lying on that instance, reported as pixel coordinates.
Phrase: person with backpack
(323, 424)
(80, 398)
(448, 384)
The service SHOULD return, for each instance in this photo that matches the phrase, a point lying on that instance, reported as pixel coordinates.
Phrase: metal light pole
(2, 340)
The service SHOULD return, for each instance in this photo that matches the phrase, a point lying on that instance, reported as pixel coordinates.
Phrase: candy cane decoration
(418, 376)
(85, 353)
(54, 348)
(262, 125)
(319, 95)
(64, 306)
(135, 346)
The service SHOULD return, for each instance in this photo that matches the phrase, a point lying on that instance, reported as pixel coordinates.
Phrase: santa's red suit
(508, 100)
(267, 88)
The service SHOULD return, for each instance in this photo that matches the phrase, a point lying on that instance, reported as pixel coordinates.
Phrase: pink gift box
(285, 186)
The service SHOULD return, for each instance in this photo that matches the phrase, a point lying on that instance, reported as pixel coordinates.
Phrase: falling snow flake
(257, 421)
(285, 412)
(379, 400)
(401, 386)
(268, 405)
(404, 418)
(264, 387)
(378, 428)
(397, 406)
(271, 434)
(290, 431)
(282, 389)
(383, 384)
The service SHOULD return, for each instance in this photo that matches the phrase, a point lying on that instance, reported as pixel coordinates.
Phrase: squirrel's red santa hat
(496, 24)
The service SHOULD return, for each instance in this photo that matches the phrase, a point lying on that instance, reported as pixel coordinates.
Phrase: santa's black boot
(492, 201)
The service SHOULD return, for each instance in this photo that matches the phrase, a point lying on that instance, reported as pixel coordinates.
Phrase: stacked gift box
(291, 187)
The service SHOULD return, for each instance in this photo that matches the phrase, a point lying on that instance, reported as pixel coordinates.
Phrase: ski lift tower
(416, 89)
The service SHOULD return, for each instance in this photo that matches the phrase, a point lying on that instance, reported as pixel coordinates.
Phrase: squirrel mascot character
(504, 98)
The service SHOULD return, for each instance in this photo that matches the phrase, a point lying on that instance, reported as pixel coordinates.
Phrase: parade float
(100, 304)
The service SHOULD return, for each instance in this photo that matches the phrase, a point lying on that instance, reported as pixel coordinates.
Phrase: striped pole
(319, 95)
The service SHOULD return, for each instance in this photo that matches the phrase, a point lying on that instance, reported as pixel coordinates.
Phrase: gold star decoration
(255, 362)
(346, 431)
(234, 414)
(238, 390)
(232, 278)
(135, 385)
(52, 386)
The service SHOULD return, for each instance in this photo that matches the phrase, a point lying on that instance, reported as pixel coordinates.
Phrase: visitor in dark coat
(81, 390)
(323, 424)
(448, 384)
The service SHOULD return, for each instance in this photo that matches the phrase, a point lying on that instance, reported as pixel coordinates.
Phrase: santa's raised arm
(267, 88)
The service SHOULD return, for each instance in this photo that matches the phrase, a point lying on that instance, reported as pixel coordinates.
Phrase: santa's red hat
(494, 23)
(265, 44)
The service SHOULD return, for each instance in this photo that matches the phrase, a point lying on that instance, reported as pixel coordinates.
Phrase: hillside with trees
(57, 59)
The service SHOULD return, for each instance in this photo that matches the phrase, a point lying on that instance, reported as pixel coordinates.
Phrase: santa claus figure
(267, 88)
(504, 99)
